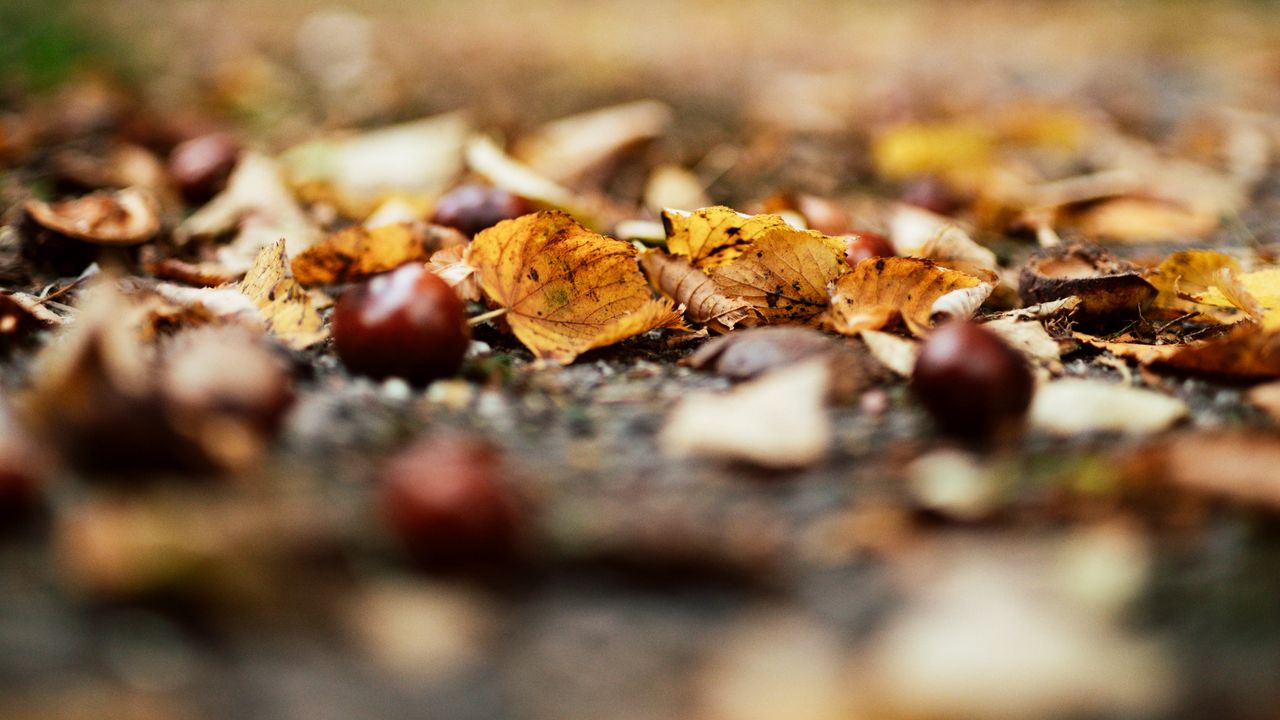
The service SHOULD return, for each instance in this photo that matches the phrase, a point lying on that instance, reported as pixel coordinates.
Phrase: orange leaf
(879, 289)
(358, 252)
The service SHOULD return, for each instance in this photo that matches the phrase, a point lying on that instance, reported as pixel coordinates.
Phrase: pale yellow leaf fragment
(286, 306)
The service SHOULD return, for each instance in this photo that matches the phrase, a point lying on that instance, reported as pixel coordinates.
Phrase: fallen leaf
(358, 252)
(672, 186)
(1058, 657)
(579, 148)
(1137, 219)
(451, 265)
(952, 248)
(1245, 353)
(878, 290)
(566, 289)
(288, 310)
(960, 151)
(782, 272)
(355, 173)
(1183, 276)
(697, 293)
(124, 217)
(1031, 339)
(1073, 406)
(895, 352)
(258, 208)
(1256, 293)
(488, 160)
(714, 236)
(777, 420)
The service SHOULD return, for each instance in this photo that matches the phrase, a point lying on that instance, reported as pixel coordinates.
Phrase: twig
(486, 317)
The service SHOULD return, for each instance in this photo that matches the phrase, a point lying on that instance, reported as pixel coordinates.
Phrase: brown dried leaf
(567, 290)
(287, 308)
(697, 293)
(125, 217)
(358, 252)
(880, 289)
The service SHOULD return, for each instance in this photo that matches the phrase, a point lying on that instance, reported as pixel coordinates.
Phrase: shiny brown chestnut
(406, 323)
(446, 501)
(200, 166)
(862, 245)
(974, 386)
(473, 207)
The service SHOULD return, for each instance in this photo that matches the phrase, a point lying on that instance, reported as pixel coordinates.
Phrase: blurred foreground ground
(661, 588)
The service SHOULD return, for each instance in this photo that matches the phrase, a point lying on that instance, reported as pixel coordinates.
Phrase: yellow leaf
(961, 152)
(566, 289)
(1185, 276)
(694, 290)
(286, 307)
(716, 236)
(878, 290)
(784, 273)
(1256, 293)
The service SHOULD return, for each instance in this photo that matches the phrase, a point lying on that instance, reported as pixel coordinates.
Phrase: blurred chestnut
(862, 245)
(200, 166)
(473, 207)
(974, 385)
(446, 502)
(406, 323)
(21, 471)
(932, 194)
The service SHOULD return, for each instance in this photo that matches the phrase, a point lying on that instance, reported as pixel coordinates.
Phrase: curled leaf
(878, 290)
(702, 300)
(566, 289)
(451, 265)
(1107, 286)
(570, 149)
(126, 217)
(1183, 276)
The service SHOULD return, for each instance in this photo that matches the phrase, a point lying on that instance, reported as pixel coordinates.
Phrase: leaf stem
(487, 316)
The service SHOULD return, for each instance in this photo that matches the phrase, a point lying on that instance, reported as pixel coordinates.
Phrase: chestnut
(973, 385)
(446, 501)
(22, 471)
(859, 246)
(200, 166)
(473, 207)
(406, 323)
